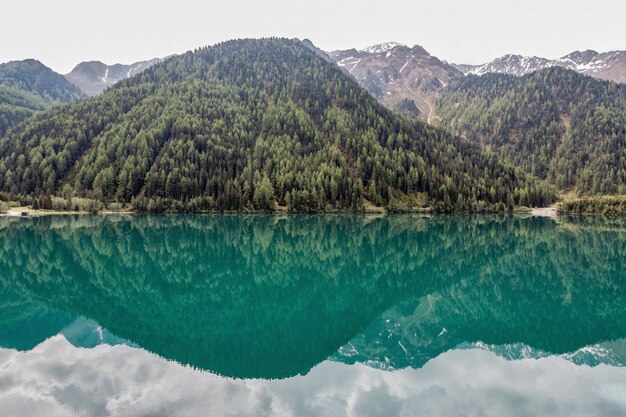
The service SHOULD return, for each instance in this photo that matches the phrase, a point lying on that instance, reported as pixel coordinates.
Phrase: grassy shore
(29, 212)
(571, 205)
(20, 211)
(600, 205)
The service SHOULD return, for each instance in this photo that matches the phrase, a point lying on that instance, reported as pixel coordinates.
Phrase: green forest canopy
(29, 86)
(557, 124)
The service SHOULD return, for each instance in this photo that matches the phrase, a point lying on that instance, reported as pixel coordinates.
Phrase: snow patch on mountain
(593, 355)
(93, 77)
(133, 70)
(106, 76)
(512, 64)
(396, 73)
(608, 65)
(381, 47)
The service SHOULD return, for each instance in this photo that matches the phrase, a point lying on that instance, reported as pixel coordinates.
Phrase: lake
(312, 315)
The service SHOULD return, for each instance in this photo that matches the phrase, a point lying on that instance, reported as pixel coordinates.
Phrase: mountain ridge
(409, 79)
(609, 65)
(29, 86)
(93, 77)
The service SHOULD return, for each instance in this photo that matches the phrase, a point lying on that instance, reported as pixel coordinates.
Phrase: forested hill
(29, 86)
(554, 123)
(248, 124)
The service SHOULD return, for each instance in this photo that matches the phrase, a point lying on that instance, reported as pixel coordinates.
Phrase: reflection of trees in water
(270, 297)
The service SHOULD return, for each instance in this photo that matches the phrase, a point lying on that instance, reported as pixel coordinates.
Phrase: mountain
(245, 125)
(607, 65)
(94, 77)
(402, 78)
(322, 54)
(509, 64)
(27, 87)
(554, 123)
(408, 80)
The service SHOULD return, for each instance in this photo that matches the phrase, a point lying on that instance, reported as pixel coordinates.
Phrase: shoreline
(546, 212)
(43, 213)
(549, 211)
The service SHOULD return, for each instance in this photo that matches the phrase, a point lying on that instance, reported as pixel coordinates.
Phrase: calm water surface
(406, 315)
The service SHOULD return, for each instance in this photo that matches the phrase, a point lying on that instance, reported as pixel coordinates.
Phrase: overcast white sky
(61, 33)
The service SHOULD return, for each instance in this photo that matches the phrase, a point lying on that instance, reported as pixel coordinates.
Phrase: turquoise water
(312, 315)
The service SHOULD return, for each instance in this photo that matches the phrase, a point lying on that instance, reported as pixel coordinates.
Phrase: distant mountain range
(408, 79)
(405, 79)
(94, 77)
(607, 65)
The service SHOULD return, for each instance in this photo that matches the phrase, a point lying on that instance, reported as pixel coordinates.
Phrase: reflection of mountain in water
(262, 296)
(409, 336)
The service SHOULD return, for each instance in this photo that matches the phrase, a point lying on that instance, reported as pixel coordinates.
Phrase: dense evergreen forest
(27, 87)
(252, 125)
(555, 123)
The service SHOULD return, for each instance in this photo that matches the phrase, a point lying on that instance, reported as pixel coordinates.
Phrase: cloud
(58, 379)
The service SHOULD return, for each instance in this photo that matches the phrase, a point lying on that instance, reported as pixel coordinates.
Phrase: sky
(62, 33)
(58, 379)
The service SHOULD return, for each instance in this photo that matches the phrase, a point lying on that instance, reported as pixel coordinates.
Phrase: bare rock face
(94, 77)
(398, 75)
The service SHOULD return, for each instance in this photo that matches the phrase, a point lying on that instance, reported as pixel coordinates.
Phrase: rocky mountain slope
(403, 78)
(607, 65)
(29, 86)
(94, 77)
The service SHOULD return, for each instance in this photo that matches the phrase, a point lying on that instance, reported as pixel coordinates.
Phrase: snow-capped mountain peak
(591, 62)
(607, 65)
(581, 57)
(381, 47)
(512, 64)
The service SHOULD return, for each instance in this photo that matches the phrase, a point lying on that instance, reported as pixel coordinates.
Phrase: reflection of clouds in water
(57, 379)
